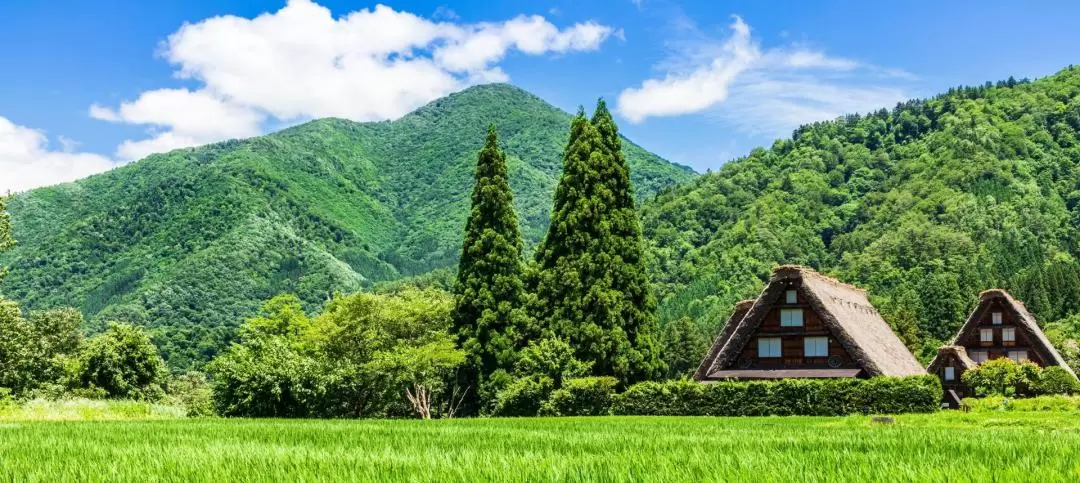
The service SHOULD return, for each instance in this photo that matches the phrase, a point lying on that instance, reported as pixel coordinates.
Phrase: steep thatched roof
(1024, 319)
(733, 321)
(943, 354)
(844, 310)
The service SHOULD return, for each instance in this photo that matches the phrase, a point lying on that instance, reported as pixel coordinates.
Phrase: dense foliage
(592, 286)
(1003, 377)
(37, 352)
(6, 241)
(365, 355)
(489, 295)
(924, 205)
(122, 363)
(787, 397)
(191, 242)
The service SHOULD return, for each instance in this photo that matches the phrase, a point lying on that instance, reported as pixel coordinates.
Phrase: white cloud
(761, 91)
(301, 62)
(27, 162)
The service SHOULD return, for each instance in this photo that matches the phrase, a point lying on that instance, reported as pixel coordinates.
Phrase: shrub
(586, 396)
(1055, 380)
(124, 363)
(1040, 403)
(810, 397)
(193, 392)
(1002, 377)
(524, 396)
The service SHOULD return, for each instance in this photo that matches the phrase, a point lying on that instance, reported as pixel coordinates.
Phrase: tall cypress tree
(592, 287)
(489, 292)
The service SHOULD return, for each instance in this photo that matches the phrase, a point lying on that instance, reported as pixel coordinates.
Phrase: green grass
(78, 409)
(945, 446)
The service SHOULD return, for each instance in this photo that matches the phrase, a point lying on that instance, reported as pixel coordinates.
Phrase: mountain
(192, 241)
(924, 205)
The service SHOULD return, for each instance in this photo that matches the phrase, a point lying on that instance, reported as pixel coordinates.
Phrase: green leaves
(591, 284)
(489, 294)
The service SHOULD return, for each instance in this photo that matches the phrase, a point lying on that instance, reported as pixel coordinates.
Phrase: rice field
(949, 446)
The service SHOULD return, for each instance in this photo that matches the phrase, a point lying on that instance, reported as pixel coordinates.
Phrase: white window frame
(1008, 334)
(983, 335)
(820, 346)
(791, 297)
(980, 356)
(1018, 356)
(786, 319)
(770, 347)
(996, 318)
(950, 373)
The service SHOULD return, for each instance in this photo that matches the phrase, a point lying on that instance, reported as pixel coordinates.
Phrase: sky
(88, 86)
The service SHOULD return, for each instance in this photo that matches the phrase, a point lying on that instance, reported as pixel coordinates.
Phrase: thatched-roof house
(805, 324)
(1000, 326)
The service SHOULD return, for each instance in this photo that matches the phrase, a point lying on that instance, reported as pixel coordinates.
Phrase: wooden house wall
(792, 348)
(998, 347)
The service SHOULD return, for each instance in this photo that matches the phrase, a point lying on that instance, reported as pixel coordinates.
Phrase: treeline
(924, 205)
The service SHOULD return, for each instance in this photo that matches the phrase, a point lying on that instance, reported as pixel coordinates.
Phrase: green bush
(192, 391)
(524, 396)
(585, 396)
(1055, 380)
(808, 397)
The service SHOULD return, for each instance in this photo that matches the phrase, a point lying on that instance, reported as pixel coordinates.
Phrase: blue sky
(86, 86)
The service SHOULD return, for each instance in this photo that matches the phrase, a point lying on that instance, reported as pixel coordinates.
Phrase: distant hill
(924, 205)
(192, 241)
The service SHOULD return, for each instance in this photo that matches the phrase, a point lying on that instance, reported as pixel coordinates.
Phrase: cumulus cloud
(27, 162)
(761, 91)
(301, 62)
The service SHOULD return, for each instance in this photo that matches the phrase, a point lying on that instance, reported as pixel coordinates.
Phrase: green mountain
(192, 241)
(924, 205)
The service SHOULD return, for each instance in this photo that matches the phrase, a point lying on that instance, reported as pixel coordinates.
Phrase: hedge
(584, 396)
(788, 397)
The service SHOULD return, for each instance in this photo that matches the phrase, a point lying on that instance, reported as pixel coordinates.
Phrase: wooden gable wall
(792, 354)
(998, 347)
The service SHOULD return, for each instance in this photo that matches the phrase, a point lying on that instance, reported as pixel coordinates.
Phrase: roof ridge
(807, 271)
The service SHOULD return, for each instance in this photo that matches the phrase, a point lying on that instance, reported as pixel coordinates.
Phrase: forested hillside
(924, 205)
(191, 242)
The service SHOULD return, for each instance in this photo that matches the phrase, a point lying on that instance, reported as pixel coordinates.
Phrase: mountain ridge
(191, 241)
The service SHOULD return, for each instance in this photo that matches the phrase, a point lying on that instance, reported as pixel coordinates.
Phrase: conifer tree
(489, 291)
(592, 287)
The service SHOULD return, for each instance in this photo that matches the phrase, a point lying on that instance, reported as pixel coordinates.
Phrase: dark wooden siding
(792, 340)
(998, 347)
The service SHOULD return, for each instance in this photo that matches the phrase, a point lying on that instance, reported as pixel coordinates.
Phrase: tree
(389, 349)
(35, 351)
(1002, 377)
(365, 355)
(16, 349)
(684, 345)
(6, 240)
(123, 363)
(489, 292)
(592, 287)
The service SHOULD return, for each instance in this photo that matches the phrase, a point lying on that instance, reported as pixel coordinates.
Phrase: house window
(791, 318)
(986, 335)
(1018, 356)
(791, 297)
(997, 318)
(816, 347)
(768, 347)
(979, 356)
(950, 373)
(1008, 334)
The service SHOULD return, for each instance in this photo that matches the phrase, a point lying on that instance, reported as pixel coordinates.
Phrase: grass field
(946, 446)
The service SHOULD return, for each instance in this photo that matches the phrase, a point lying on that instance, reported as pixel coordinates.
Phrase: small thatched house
(805, 324)
(1000, 326)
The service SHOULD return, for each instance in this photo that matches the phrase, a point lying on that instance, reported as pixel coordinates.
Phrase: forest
(577, 312)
